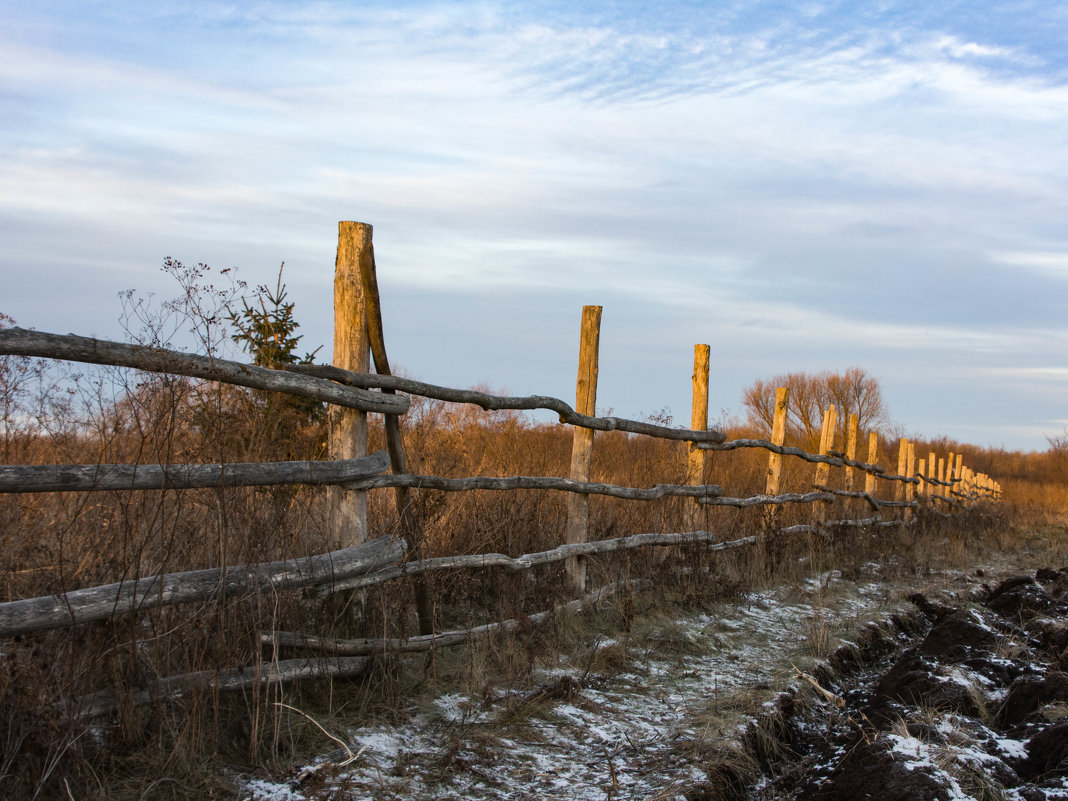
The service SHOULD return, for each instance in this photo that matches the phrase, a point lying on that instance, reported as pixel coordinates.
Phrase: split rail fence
(354, 390)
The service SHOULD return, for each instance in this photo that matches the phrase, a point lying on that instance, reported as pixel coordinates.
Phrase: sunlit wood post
(948, 491)
(958, 472)
(823, 470)
(348, 427)
(941, 477)
(921, 470)
(902, 463)
(872, 458)
(578, 506)
(910, 471)
(932, 468)
(851, 453)
(695, 462)
(778, 437)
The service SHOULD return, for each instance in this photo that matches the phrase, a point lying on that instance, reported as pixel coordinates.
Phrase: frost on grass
(632, 733)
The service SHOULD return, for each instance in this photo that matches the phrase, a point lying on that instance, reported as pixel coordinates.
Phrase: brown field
(51, 543)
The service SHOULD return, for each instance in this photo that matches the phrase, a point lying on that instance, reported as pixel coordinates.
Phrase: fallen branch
(445, 639)
(174, 688)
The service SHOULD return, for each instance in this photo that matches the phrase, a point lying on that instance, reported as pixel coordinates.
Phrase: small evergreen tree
(266, 329)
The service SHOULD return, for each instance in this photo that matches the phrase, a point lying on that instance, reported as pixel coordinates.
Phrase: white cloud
(1044, 374)
(1048, 262)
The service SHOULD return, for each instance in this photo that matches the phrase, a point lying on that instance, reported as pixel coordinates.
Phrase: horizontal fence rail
(70, 347)
(501, 402)
(91, 478)
(135, 595)
(537, 482)
(531, 560)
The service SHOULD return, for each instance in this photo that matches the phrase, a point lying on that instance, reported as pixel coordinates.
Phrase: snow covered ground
(639, 732)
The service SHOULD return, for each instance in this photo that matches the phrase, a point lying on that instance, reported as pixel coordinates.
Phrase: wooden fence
(353, 391)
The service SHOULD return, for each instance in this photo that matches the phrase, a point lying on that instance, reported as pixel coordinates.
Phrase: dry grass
(51, 543)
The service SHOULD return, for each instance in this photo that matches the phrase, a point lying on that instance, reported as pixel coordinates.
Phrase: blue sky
(803, 186)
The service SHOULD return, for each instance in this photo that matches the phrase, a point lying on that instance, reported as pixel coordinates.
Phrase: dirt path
(651, 717)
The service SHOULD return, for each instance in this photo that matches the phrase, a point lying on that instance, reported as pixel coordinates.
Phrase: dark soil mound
(976, 708)
(871, 771)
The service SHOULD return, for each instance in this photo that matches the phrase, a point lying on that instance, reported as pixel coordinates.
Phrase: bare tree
(852, 391)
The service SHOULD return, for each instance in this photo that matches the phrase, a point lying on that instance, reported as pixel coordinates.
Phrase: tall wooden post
(778, 437)
(823, 470)
(932, 469)
(348, 427)
(873, 458)
(958, 472)
(902, 463)
(921, 469)
(851, 449)
(695, 462)
(910, 471)
(851, 453)
(942, 477)
(578, 506)
(372, 303)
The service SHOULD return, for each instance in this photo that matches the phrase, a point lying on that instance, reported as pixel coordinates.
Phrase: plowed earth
(976, 708)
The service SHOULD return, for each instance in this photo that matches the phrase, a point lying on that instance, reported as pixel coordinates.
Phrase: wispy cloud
(875, 186)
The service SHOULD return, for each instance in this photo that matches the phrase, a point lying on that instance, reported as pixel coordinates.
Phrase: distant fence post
(873, 457)
(851, 449)
(902, 465)
(578, 506)
(910, 471)
(778, 437)
(695, 462)
(823, 470)
(348, 427)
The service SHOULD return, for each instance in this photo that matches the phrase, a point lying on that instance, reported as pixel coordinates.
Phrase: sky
(802, 186)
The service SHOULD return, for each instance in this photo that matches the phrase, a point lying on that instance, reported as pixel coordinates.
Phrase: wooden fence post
(902, 464)
(823, 470)
(372, 303)
(910, 471)
(932, 467)
(873, 458)
(851, 449)
(958, 472)
(778, 437)
(578, 506)
(348, 427)
(942, 476)
(695, 462)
